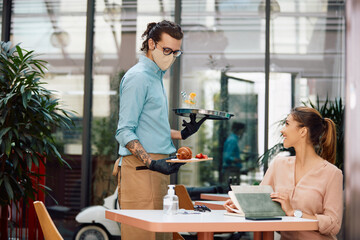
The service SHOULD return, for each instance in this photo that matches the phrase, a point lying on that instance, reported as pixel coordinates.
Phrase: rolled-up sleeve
(132, 99)
(331, 218)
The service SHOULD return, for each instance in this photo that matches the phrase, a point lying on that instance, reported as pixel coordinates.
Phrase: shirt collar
(152, 65)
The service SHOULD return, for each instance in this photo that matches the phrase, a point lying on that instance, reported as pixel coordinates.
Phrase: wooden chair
(184, 198)
(47, 225)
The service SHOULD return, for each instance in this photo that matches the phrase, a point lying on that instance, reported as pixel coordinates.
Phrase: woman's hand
(229, 205)
(283, 199)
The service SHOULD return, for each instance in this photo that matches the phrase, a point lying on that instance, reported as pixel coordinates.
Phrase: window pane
(119, 25)
(307, 57)
(223, 56)
(56, 31)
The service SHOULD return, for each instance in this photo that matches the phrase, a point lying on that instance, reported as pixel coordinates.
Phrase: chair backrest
(184, 198)
(47, 225)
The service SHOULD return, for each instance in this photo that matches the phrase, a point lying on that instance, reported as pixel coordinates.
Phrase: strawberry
(199, 155)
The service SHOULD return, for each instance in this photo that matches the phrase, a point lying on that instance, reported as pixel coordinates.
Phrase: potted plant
(28, 117)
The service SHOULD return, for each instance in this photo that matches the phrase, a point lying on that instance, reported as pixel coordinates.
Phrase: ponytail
(146, 35)
(328, 141)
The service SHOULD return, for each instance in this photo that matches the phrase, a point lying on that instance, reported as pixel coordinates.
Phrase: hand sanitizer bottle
(171, 202)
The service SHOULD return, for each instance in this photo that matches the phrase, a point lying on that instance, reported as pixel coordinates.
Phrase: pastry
(184, 153)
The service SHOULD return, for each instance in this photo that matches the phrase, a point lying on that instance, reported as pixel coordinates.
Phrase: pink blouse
(319, 192)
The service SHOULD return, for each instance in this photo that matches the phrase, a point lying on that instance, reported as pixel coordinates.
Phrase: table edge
(206, 196)
(256, 226)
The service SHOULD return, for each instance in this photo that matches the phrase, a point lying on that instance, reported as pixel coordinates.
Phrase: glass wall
(48, 28)
(118, 29)
(223, 63)
(307, 45)
(226, 40)
(56, 31)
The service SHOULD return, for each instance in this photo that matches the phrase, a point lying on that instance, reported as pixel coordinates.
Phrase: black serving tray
(200, 113)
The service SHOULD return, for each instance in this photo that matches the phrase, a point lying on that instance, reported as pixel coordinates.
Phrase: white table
(206, 223)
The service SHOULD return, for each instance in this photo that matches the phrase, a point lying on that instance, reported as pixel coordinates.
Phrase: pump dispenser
(171, 202)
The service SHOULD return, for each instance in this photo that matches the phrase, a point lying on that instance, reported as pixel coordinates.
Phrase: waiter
(143, 130)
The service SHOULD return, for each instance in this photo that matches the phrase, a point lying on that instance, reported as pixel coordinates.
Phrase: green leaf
(39, 67)
(17, 185)
(7, 98)
(7, 47)
(28, 95)
(15, 161)
(19, 51)
(45, 187)
(35, 160)
(58, 155)
(28, 161)
(22, 89)
(7, 147)
(56, 202)
(48, 116)
(24, 101)
(19, 152)
(4, 131)
(30, 68)
(16, 133)
(8, 187)
(28, 56)
(10, 71)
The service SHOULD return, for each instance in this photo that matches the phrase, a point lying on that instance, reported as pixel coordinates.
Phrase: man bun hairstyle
(322, 131)
(154, 31)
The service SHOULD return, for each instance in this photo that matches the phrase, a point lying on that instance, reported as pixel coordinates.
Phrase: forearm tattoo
(138, 151)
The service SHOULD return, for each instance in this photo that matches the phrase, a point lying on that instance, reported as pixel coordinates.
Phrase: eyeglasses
(168, 51)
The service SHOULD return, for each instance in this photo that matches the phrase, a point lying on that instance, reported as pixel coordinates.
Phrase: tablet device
(263, 218)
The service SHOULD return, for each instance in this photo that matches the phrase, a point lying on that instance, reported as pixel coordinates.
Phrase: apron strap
(117, 172)
(116, 169)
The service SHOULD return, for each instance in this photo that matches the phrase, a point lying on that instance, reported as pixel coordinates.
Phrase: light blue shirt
(143, 113)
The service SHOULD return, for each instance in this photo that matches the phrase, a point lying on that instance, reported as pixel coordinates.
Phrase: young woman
(308, 185)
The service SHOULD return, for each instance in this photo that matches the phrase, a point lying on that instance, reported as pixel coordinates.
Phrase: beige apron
(141, 189)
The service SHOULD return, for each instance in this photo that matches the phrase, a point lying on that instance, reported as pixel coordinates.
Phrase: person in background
(232, 163)
(143, 130)
(231, 152)
(308, 185)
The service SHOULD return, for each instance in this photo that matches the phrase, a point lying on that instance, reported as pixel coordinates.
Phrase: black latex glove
(164, 167)
(192, 126)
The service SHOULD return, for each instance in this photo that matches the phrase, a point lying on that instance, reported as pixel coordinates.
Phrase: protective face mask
(163, 61)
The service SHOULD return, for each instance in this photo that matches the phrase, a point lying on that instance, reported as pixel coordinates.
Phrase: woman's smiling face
(291, 132)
